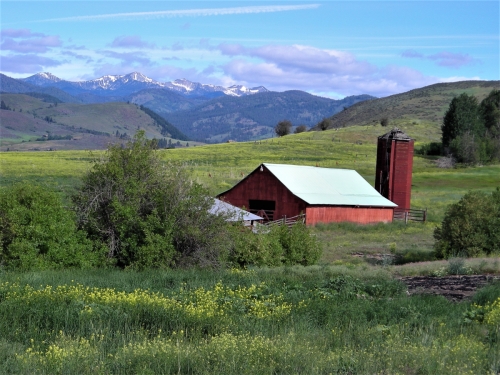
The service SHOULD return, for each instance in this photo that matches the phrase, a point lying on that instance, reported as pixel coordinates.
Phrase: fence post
(406, 217)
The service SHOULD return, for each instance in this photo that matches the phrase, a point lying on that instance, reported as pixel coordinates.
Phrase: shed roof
(328, 186)
(234, 213)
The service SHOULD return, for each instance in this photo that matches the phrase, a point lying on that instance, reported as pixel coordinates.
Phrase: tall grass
(293, 320)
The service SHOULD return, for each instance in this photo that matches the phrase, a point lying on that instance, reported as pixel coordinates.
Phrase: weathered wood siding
(401, 171)
(265, 186)
(337, 214)
(394, 170)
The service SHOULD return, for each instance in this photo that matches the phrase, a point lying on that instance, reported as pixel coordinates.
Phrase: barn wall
(337, 214)
(265, 186)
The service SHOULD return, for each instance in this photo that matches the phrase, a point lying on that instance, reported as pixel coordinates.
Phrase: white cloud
(187, 13)
(280, 67)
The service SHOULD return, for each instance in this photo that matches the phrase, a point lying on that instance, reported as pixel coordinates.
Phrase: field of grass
(295, 320)
(343, 316)
(219, 167)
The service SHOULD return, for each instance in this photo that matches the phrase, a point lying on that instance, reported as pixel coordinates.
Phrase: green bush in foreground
(147, 213)
(38, 232)
(471, 227)
(275, 246)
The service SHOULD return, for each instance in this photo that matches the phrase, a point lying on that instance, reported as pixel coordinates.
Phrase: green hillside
(75, 126)
(255, 116)
(424, 105)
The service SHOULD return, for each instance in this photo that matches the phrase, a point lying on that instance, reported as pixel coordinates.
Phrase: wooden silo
(394, 167)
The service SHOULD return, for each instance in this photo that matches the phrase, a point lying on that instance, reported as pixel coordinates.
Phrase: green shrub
(471, 227)
(275, 246)
(299, 245)
(147, 213)
(431, 149)
(38, 232)
(260, 247)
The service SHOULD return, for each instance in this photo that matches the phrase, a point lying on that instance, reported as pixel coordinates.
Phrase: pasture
(343, 316)
(294, 320)
(219, 167)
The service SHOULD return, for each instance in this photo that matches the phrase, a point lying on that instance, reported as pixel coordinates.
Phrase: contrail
(186, 13)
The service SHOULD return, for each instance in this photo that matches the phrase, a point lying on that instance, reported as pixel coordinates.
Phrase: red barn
(324, 194)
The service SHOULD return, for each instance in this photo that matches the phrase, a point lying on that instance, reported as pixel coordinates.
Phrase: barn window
(262, 208)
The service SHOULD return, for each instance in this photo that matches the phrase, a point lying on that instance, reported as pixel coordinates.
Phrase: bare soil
(454, 288)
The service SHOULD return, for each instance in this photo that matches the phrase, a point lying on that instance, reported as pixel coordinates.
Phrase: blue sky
(327, 48)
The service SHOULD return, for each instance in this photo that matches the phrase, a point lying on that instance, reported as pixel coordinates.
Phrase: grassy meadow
(295, 320)
(219, 167)
(345, 315)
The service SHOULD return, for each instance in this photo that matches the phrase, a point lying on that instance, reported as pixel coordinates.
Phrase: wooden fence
(268, 215)
(288, 221)
(410, 215)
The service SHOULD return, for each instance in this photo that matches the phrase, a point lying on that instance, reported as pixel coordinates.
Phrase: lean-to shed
(233, 213)
(322, 194)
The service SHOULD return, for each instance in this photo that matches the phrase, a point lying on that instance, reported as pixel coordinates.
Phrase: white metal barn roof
(328, 186)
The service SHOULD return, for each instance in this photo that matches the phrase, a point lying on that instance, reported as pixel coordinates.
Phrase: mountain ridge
(135, 81)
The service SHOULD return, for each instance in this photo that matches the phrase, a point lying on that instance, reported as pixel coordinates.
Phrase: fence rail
(410, 215)
(288, 221)
(267, 215)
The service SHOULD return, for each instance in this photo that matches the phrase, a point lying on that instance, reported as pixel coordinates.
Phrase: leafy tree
(300, 129)
(471, 227)
(384, 121)
(37, 232)
(148, 213)
(324, 124)
(283, 128)
(462, 117)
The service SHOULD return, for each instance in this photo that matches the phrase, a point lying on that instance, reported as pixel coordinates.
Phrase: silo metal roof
(397, 134)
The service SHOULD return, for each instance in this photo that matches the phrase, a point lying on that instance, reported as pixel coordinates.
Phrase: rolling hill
(427, 104)
(254, 116)
(41, 123)
(11, 85)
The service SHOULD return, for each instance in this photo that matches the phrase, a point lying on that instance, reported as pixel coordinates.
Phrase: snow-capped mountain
(127, 84)
(42, 79)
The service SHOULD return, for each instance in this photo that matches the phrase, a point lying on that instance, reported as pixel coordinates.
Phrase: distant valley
(90, 114)
(201, 112)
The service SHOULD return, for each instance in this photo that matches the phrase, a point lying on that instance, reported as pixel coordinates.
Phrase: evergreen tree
(462, 117)
(490, 113)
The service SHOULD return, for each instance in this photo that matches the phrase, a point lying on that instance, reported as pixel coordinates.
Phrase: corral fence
(267, 215)
(288, 221)
(410, 215)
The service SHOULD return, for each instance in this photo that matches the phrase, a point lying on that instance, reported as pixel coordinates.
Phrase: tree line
(471, 130)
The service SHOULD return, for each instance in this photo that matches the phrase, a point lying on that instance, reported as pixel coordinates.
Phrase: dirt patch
(454, 288)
